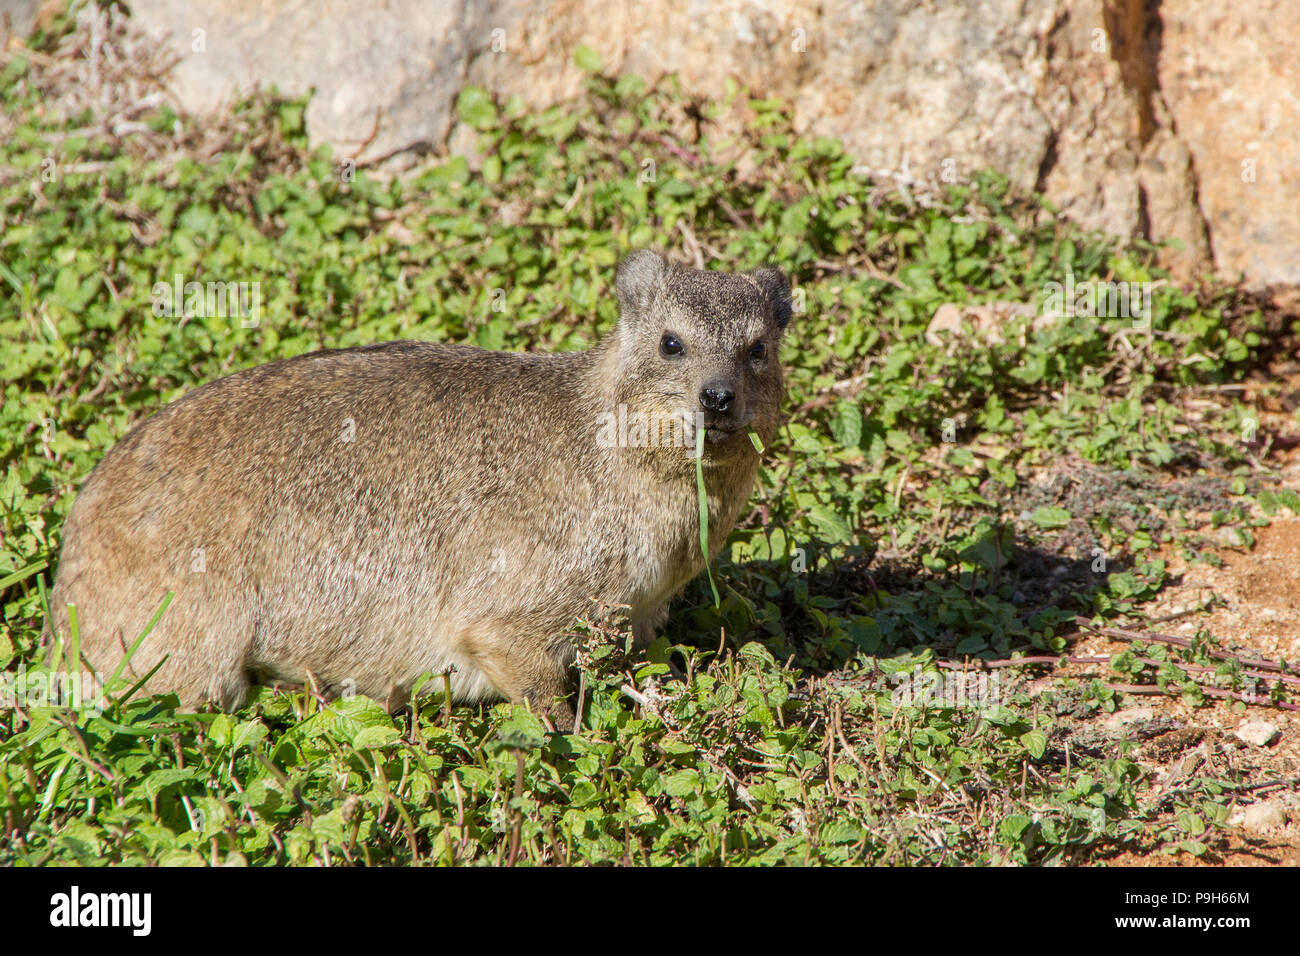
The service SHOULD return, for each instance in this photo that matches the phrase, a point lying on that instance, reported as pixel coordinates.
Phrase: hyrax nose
(716, 398)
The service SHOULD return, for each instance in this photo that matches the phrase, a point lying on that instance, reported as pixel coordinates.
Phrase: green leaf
(683, 783)
(846, 426)
(833, 528)
(1035, 742)
(1013, 827)
(248, 734)
(474, 105)
(344, 717)
(1049, 518)
(587, 59)
(160, 780)
(375, 736)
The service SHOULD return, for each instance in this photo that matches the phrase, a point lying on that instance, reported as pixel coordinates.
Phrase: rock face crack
(1134, 30)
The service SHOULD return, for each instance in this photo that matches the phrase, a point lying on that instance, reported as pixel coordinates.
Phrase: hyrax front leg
(551, 697)
(644, 630)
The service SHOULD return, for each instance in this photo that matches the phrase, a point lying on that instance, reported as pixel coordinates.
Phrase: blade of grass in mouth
(704, 511)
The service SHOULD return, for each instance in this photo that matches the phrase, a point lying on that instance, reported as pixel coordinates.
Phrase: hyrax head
(701, 347)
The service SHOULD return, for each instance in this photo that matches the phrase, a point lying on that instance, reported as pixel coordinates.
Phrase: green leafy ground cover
(926, 504)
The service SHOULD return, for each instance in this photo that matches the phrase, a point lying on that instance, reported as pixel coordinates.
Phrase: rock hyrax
(355, 518)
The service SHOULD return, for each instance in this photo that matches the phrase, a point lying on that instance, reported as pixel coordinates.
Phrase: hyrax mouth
(718, 433)
(679, 428)
(717, 428)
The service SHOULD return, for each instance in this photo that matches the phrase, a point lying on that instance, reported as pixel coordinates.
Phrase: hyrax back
(355, 518)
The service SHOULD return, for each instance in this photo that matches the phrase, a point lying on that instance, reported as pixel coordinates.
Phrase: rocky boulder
(1166, 120)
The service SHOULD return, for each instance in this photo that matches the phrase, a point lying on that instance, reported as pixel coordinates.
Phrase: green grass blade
(74, 639)
(56, 651)
(12, 279)
(138, 641)
(704, 511)
(22, 574)
(45, 604)
(130, 692)
(52, 791)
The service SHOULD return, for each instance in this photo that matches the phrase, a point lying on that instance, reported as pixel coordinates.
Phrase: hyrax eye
(670, 345)
(758, 350)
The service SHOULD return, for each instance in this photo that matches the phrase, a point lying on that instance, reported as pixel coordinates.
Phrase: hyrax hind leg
(189, 665)
(531, 669)
(197, 659)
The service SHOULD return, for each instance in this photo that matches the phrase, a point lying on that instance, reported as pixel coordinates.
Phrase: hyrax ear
(639, 279)
(777, 289)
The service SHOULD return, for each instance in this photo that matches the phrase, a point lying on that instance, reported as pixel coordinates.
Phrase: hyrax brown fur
(353, 519)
